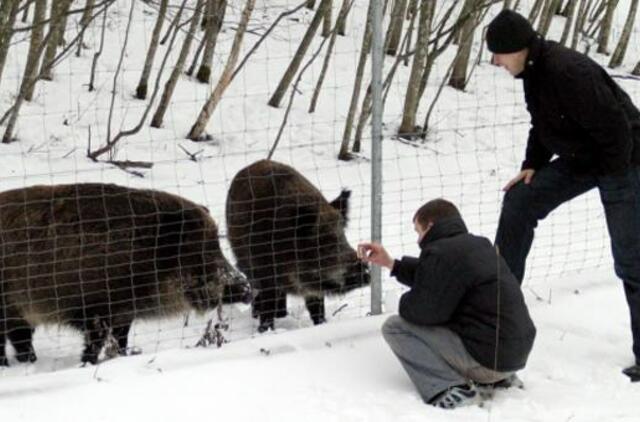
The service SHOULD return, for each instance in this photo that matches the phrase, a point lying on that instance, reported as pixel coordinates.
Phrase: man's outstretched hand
(375, 253)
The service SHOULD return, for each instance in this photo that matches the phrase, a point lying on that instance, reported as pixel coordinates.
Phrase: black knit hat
(509, 32)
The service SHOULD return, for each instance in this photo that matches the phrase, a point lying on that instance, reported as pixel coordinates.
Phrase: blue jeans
(554, 184)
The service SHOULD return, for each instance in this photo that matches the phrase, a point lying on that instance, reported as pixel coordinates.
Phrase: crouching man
(463, 325)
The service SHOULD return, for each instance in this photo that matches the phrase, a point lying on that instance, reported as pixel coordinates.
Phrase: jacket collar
(447, 227)
(535, 52)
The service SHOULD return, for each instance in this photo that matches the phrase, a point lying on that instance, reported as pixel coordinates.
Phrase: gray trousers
(434, 357)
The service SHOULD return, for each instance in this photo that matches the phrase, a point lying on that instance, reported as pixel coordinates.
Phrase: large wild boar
(288, 238)
(98, 256)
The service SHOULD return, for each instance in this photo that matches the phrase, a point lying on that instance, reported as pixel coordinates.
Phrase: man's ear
(341, 203)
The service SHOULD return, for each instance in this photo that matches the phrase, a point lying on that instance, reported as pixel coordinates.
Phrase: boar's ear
(306, 220)
(341, 203)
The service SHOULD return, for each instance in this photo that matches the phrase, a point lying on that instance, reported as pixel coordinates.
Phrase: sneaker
(459, 395)
(509, 382)
(486, 390)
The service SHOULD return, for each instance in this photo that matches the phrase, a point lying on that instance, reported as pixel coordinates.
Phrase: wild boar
(288, 238)
(97, 256)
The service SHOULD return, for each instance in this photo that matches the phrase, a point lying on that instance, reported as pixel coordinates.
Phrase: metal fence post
(376, 149)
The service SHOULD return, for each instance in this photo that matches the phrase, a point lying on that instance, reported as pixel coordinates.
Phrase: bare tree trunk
(621, 48)
(412, 99)
(311, 4)
(636, 70)
(25, 12)
(570, 14)
(97, 54)
(547, 16)
(458, 79)
(200, 124)
(366, 110)
(326, 20)
(355, 97)
(196, 56)
(327, 58)
(174, 23)
(394, 33)
(506, 4)
(342, 28)
(8, 15)
(33, 56)
(535, 11)
(297, 58)
(580, 21)
(214, 24)
(170, 85)
(141, 90)
(595, 17)
(84, 21)
(59, 9)
(36, 49)
(605, 28)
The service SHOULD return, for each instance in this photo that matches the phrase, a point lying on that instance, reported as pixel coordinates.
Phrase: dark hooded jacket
(578, 112)
(461, 283)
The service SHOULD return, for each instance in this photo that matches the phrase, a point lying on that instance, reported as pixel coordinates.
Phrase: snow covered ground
(342, 370)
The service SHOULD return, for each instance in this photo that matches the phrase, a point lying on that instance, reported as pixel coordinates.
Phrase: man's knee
(517, 198)
(392, 325)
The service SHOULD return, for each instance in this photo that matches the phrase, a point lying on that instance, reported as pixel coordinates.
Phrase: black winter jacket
(577, 112)
(461, 283)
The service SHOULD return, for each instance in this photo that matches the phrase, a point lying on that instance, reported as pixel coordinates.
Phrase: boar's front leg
(270, 303)
(315, 306)
(22, 339)
(264, 307)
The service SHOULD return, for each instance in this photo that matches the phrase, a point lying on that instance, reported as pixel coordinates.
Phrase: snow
(341, 370)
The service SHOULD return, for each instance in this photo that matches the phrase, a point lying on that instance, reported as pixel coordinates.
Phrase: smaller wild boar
(97, 256)
(288, 238)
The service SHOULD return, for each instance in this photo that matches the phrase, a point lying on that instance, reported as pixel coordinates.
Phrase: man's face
(422, 231)
(512, 62)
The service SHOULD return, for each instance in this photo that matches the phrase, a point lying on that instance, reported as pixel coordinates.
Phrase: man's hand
(525, 175)
(375, 254)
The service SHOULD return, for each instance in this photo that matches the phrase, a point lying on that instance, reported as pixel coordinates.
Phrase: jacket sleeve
(537, 154)
(435, 294)
(404, 270)
(589, 100)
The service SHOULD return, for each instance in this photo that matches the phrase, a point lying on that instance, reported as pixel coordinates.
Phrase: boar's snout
(236, 287)
(237, 292)
(357, 276)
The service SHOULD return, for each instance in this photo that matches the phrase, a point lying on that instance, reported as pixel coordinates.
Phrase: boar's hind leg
(19, 332)
(95, 328)
(121, 334)
(3, 357)
(3, 330)
(21, 337)
(315, 306)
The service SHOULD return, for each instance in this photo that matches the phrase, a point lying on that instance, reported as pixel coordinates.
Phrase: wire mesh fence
(273, 79)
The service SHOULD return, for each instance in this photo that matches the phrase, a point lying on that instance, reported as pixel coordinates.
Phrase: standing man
(580, 116)
(463, 321)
